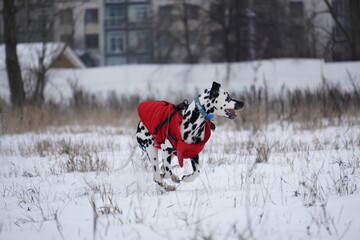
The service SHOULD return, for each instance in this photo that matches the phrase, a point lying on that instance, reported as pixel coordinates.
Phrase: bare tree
(232, 31)
(248, 30)
(180, 33)
(38, 19)
(229, 22)
(47, 54)
(355, 32)
(185, 17)
(351, 33)
(17, 93)
(44, 26)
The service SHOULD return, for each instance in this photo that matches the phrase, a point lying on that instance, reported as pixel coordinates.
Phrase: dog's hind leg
(153, 158)
(167, 154)
(196, 170)
(152, 154)
(145, 140)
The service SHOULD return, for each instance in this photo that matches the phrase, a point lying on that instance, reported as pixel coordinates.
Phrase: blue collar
(207, 117)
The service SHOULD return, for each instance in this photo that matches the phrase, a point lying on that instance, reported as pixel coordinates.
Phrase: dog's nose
(238, 105)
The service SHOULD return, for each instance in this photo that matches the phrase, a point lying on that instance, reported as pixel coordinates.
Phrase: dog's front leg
(196, 170)
(167, 154)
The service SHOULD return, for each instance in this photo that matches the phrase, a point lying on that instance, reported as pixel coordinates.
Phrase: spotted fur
(215, 101)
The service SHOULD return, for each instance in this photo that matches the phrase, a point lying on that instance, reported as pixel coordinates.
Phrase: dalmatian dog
(194, 121)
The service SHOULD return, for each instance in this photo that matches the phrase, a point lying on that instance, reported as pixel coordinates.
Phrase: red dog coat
(151, 113)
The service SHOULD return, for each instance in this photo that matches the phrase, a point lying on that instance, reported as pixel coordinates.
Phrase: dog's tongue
(231, 111)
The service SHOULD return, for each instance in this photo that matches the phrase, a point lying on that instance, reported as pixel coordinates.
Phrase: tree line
(242, 30)
(212, 31)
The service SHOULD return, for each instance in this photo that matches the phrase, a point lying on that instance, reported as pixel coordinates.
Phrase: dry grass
(308, 108)
(35, 118)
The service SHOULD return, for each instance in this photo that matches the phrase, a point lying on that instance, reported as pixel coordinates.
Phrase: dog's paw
(175, 178)
(169, 188)
(165, 186)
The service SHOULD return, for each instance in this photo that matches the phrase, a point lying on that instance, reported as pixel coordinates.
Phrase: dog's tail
(133, 149)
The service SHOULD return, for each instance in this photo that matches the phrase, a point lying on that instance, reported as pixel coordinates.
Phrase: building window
(297, 9)
(192, 11)
(91, 41)
(141, 13)
(138, 14)
(116, 60)
(91, 16)
(66, 16)
(115, 42)
(139, 41)
(115, 16)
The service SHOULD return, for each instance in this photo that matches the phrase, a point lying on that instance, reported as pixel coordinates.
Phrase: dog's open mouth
(231, 113)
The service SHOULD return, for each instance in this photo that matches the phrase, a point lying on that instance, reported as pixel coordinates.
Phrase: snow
(182, 80)
(169, 80)
(29, 54)
(307, 189)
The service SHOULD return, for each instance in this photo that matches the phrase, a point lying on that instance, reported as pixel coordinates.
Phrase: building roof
(55, 56)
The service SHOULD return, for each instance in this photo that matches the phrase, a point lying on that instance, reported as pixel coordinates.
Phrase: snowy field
(160, 81)
(281, 183)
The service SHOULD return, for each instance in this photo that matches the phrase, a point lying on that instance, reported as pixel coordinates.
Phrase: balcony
(138, 24)
(115, 23)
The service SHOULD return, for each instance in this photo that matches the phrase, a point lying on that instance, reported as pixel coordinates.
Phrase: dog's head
(219, 102)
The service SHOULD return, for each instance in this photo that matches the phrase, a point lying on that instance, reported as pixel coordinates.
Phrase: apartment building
(102, 32)
(127, 32)
(114, 32)
(111, 32)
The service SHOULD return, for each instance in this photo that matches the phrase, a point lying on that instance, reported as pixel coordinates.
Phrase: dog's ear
(214, 92)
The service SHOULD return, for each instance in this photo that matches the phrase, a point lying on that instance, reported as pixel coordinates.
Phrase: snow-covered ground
(305, 186)
(285, 182)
